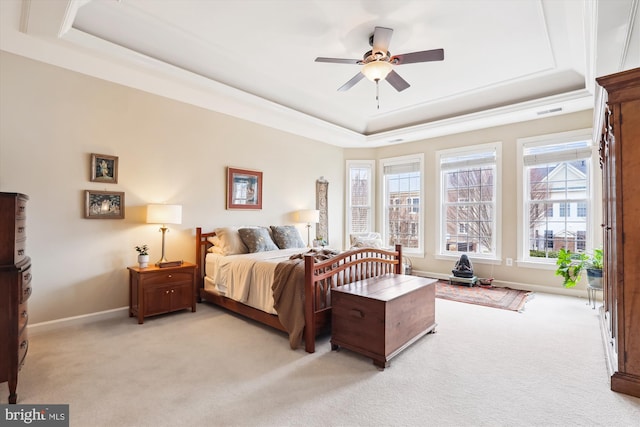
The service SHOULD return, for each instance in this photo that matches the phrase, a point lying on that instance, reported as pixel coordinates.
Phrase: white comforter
(246, 278)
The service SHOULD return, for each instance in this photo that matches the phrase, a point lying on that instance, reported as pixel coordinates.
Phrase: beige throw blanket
(288, 293)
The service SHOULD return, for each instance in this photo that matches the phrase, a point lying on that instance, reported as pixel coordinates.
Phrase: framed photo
(104, 168)
(244, 189)
(104, 204)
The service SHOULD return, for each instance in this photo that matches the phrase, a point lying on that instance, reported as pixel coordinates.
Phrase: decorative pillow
(229, 241)
(287, 236)
(366, 240)
(257, 239)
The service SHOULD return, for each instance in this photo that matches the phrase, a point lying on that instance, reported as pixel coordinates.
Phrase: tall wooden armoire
(620, 162)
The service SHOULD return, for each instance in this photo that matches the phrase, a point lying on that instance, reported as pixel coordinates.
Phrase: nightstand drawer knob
(169, 276)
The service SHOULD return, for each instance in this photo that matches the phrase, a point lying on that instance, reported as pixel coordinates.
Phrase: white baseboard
(580, 293)
(52, 325)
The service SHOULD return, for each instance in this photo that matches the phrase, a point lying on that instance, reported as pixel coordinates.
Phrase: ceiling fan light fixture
(376, 70)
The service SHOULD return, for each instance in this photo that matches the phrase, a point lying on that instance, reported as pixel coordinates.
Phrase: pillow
(215, 250)
(229, 241)
(366, 240)
(287, 236)
(257, 239)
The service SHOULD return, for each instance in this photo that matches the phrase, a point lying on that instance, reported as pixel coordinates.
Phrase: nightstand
(154, 290)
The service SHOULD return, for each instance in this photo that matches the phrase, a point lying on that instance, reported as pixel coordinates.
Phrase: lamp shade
(164, 214)
(377, 70)
(308, 215)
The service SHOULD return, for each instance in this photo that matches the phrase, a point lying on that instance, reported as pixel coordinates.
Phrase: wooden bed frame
(320, 277)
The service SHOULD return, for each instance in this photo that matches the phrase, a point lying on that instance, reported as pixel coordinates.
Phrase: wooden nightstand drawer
(154, 290)
(162, 277)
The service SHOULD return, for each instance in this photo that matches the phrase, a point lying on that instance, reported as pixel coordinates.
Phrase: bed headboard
(202, 246)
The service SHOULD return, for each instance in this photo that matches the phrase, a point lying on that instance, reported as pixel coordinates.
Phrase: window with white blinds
(360, 179)
(556, 195)
(403, 202)
(468, 200)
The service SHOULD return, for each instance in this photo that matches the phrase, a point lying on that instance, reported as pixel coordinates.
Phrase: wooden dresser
(380, 317)
(15, 288)
(620, 162)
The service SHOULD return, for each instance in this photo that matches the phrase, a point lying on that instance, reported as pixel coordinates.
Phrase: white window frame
(359, 164)
(441, 252)
(524, 260)
(384, 223)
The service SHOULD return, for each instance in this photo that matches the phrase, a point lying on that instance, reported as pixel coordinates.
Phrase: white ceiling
(505, 61)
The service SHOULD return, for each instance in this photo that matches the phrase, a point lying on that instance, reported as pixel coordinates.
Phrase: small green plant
(570, 267)
(595, 261)
(142, 250)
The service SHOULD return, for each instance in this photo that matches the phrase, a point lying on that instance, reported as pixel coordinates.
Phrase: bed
(288, 289)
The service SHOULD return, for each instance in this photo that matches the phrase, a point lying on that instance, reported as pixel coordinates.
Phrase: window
(582, 210)
(556, 175)
(401, 187)
(414, 204)
(469, 200)
(359, 196)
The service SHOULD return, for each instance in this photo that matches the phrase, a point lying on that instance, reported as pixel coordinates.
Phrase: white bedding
(246, 278)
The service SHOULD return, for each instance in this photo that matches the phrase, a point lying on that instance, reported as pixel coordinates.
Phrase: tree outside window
(469, 201)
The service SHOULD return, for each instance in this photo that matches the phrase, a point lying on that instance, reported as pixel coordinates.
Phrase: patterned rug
(504, 298)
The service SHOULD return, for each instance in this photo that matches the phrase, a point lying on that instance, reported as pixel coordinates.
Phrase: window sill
(489, 261)
(536, 265)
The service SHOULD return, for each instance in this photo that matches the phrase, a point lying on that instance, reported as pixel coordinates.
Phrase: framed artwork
(244, 189)
(104, 168)
(104, 204)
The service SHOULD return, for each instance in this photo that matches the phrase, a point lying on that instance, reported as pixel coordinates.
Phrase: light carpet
(483, 367)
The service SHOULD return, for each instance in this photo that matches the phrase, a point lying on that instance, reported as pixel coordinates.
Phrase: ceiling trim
(47, 36)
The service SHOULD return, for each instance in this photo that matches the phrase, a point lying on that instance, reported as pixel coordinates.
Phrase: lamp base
(165, 264)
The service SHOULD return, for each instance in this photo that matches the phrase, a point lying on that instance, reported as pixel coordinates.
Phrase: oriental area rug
(504, 298)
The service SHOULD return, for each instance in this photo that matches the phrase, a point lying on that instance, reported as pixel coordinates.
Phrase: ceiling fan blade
(339, 60)
(348, 85)
(423, 56)
(381, 39)
(396, 81)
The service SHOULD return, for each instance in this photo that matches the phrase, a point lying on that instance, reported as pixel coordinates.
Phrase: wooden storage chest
(380, 317)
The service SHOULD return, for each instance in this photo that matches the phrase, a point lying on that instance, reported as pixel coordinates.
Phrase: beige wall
(531, 278)
(52, 119)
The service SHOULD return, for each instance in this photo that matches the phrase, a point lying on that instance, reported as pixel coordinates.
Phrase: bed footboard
(347, 267)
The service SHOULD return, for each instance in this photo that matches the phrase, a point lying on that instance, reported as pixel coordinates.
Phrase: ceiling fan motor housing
(377, 56)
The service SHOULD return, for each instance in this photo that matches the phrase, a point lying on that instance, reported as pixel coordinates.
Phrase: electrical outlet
(509, 262)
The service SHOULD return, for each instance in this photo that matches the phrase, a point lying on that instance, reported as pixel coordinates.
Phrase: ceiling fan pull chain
(378, 92)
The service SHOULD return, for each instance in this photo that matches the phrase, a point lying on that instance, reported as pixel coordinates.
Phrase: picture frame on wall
(104, 168)
(244, 189)
(104, 204)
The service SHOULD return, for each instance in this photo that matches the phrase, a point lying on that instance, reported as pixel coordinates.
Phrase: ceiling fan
(378, 63)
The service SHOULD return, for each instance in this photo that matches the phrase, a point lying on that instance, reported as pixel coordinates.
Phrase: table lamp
(308, 216)
(164, 214)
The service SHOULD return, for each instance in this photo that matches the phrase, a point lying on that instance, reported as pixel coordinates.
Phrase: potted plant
(143, 256)
(594, 268)
(570, 267)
